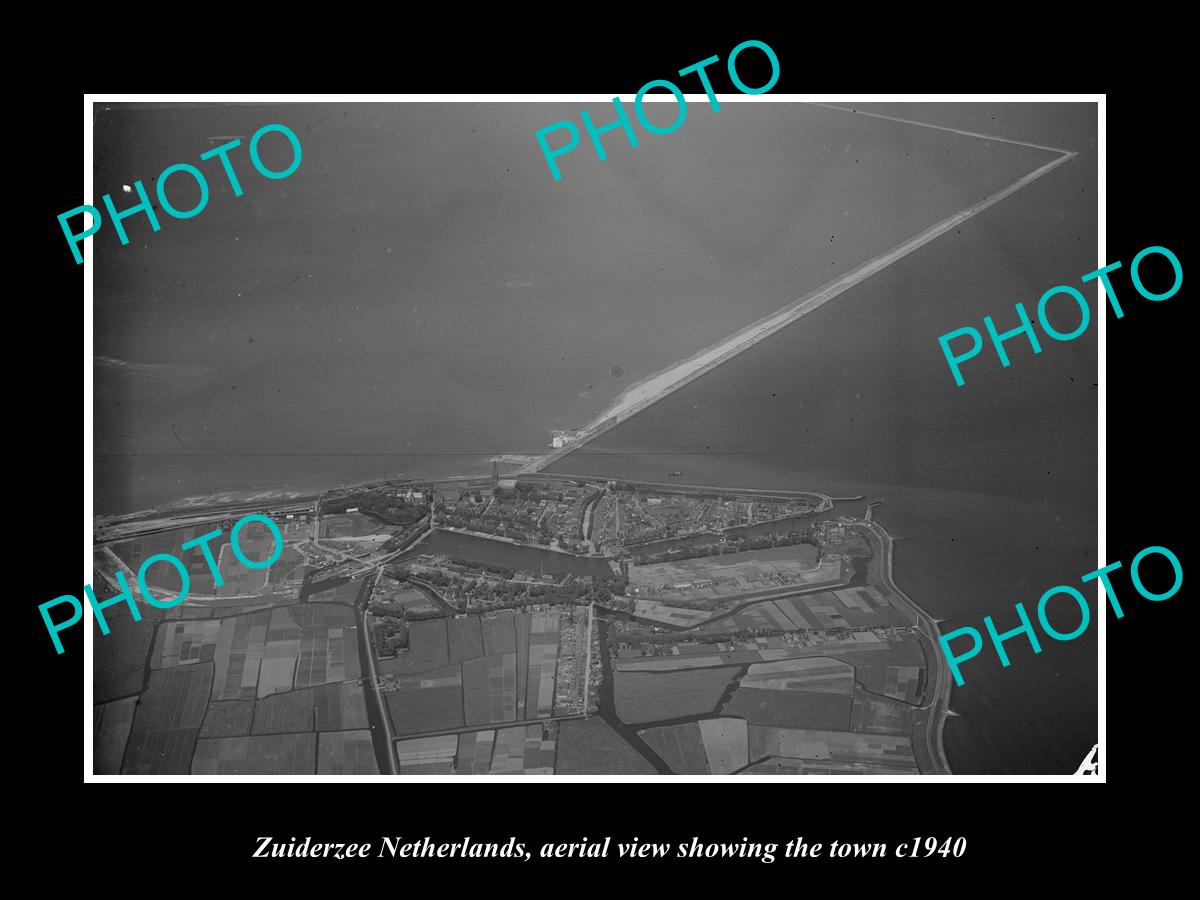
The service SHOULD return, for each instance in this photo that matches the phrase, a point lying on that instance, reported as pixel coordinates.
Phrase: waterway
(989, 489)
(607, 707)
(520, 304)
(374, 716)
(502, 553)
(782, 526)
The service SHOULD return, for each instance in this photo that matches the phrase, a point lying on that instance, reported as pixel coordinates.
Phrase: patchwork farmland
(481, 670)
(256, 687)
(836, 706)
(783, 660)
(521, 750)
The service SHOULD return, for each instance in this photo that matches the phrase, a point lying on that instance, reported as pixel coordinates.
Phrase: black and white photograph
(706, 433)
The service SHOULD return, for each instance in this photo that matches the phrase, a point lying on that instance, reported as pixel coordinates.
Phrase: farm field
(432, 701)
(427, 756)
(269, 754)
(795, 708)
(475, 753)
(874, 715)
(670, 615)
(464, 638)
(228, 718)
(714, 746)
(850, 649)
(328, 645)
(725, 744)
(343, 525)
(237, 579)
(119, 658)
(244, 693)
(428, 648)
(543, 663)
(652, 696)
(330, 707)
(860, 607)
(903, 682)
(846, 609)
(474, 670)
(592, 747)
(693, 607)
(680, 746)
(346, 753)
(728, 576)
(799, 707)
(134, 551)
(836, 746)
(265, 652)
(521, 750)
(784, 614)
(490, 689)
(778, 766)
(818, 674)
(289, 568)
(167, 721)
(499, 633)
(521, 629)
(254, 540)
(111, 724)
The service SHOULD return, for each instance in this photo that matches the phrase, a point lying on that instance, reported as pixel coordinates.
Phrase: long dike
(939, 703)
(666, 381)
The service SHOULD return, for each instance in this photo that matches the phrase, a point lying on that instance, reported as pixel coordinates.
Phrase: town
(532, 624)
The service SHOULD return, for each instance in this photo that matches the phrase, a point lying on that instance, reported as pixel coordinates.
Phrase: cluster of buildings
(560, 439)
(579, 671)
(549, 514)
(631, 515)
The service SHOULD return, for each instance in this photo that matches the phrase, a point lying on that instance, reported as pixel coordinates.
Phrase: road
(489, 726)
(652, 389)
(118, 528)
(939, 703)
(587, 666)
(369, 564)
(723, 489)
(368, 651)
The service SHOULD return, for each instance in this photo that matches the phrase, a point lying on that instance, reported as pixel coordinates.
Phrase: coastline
(939, 704)
(666, 381)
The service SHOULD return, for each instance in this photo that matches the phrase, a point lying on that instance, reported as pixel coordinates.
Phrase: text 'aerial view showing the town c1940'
(654, 470)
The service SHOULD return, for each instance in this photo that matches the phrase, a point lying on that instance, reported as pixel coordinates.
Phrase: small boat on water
(674, 474)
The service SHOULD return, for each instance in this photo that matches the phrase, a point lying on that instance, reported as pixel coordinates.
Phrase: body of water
(990, 487)
(422, 287)
(502, 553)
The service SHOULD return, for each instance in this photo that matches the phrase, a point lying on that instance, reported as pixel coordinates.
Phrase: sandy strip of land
(659, 385)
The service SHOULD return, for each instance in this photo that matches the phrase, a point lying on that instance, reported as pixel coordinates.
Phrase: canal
(515, 556)
(607, 709)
